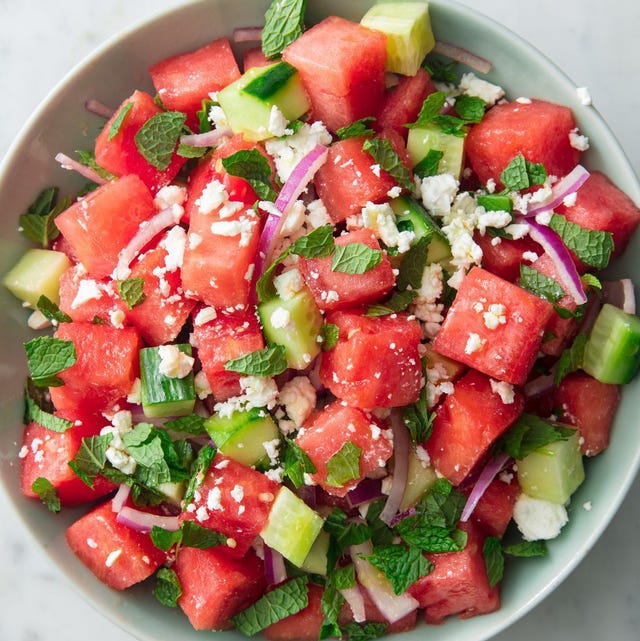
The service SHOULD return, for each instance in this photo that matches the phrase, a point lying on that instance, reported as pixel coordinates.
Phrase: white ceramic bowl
(61, 123)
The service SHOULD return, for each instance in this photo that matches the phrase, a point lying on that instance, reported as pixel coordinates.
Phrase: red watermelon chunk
(505, 257)
(589, 405)
(119, 153)
(376, 362)
(495, 509)
(105, 370)
(185, 80)
(348, 180)
(88, 225)
(116, 554)
(327, 434)
(467, 423)
(253, 57)
(338, 290)
(216, 587)
(344, 81)
(458, 584)
(234, 500)
(302, 626)
(494, 326)
(539, 131)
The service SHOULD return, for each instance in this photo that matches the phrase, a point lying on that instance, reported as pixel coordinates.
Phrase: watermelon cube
(302, 626)
(495, 509)
(504, 258)
(253, 57)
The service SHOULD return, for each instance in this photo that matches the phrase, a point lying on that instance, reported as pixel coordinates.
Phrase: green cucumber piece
(316, 561)
(247, 102)
(163, 395)
(407, 26)
(37, 273)
(553, 472)
(612, 352)
(242, 435)
(492, 202)
(295, 324)
(292, 527)
(419, 480)
(422, 139)
(173, 490)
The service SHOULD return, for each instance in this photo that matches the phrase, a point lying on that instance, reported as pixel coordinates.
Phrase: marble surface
(594, 42)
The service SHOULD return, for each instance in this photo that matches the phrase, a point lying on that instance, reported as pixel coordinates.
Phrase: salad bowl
(62, 124)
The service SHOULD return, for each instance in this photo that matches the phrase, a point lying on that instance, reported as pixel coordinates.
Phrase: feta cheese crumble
(173, 362)
(538, 519)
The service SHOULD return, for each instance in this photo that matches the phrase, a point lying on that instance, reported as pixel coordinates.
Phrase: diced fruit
(407, 26)
(292, 527)
(216, 587)
(295, 324)
(612, 353)
(302, 626)
(494, 326)
(467, 423)
(553, 472)
(421, 140)
(328, 432)
(504, 258)
(539, 131)
(253, 57)
(88, 225)
(37, 274)
(494, 511)
(116, 554)
(243, 435)
(375, 362)
(248, 103)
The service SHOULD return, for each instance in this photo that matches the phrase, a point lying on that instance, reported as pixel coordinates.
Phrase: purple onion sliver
(539, 386)
(620, 293)
(490, 471)
(274, 568)
(144, 521)
(354, 598)
(367, 490)
(120, 497)
(401, 469)
(464, 56)
(563, 188)
(206, 139)
(99, 109)
(74, 165)
(309, 494)
(247, 34)
(400, 516)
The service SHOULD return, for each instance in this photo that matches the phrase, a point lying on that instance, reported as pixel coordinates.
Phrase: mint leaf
(269, 361)
(527, 549)
(165, 539)
(330, 604)
(188, 151)
(441, 71)
(430, 538)
(344, 577)
(344, 465)
(345, 532)
(418, 419)
(51, 311)
(363, 631)
(47, 493)
(295, 462)
(495, 202)
(253, 167)
(203, 115)
(190, 534)
(52, 422)
(514, 177)
(191, 424)
(592, 247)
(45, 201)
(357, 128)
(412, 266)
(571, 359)
(381, 533)
(537, 173)
(158, 138)
(542, 286)
(283, 601)
(428, 166)
(441, 506)
(431, 107)
(589, 280)
(91, 458)
(37, 223)
(530, 433)
(330, 334)
(493, 560)
(118, 120)
(48, 356)
(284, 23)
(198, 471)
(88, 159)
(168, 589)
(355, 258)
(383, 153)
(131, 291)
(470, 108)
(397, 303)
(316, 244)
(402, 566)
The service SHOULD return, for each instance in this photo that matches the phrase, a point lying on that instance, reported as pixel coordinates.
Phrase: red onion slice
(539, 386)
(120, 497)
(563, 188)
(567, 272)
(620, 293)
(400, 469)
(99, 109)
(144, 521)
(464, 56)
(83, 170)
(354, 598)
(274, 568)
(367, 490)
(206, 139)
(490, 471)
(247, 34)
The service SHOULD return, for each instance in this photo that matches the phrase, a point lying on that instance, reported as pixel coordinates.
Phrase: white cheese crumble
(117, 318)
(288, 284)
(584, 96)
(204, 316)
(257, 391)
(474, 343)
(173, 362)
(570, 200)
(382, 220)
(271, 448)
(214, 500)
(578, 141)
(242, 227)
(37, 320)
(116, 452)
(278, 123)
(503, 390)
(298, 396)
(213, 195)
(438, 192)
(495, 316)
(280, 318)
(174, 243)
(88, 289)
(237, 493)
(538, 519)
(112, 558)
(201, 382)
(170, 195)
(471, 85)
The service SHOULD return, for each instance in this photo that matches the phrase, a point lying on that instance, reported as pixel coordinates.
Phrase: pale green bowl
(111, 74)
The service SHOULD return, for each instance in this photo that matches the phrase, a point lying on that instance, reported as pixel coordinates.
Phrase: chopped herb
(345, 577)
(269, 361)
(493, 560)
(383, 153)
(344, 465)
(158, 138)
(412, 266)
(418, 419)
(441, 71)
(47, 357)
(589, 280)
(357, 128)
(431, 538)
(251, 165)
(316, 244)
(190, 534)
(531, 433)
(397, 303)
(131, 291)
(346, 532)
(198, 471)
(495, 202)
(363, 631)
(592, 247)
(521, 174)
(91, 458)
(355, 258)
(191, 424)
(188, 151)
(168, 589)
(331, 604)
(470, 108)
(166, 539)
(428, 166)
(527, 549)
(571, 359)
(118, 120)
(48, 420)
(51, 311)
(88, 159)
(381, 533)
(203, 115)
(330, 334)
(47, 493)
(284, 23)
(537, 173)
(542, 286)
(296, 462)
(37, 223)
(431, 107)
(402, 565)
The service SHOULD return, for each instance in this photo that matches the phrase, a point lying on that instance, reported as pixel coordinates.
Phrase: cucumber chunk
(553, 472)
(422, 139)
(419, 479)
(292, 527)
(37, 273)
(316, 561)
(248, 102)
(242, 435)
(164, 395)
(612, 352)
(492, 202)
(407, 26)
(295, 324)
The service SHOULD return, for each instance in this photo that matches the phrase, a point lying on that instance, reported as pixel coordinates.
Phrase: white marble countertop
(594, 42)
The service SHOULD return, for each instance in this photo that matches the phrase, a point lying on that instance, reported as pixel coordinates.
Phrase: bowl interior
(110, 75)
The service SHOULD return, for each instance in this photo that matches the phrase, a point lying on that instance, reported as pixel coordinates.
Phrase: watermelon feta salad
(329, 345)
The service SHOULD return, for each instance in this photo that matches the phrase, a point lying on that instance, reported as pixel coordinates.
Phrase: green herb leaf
(191, 424)
(402, 566)
(430, 538)
(47, 493)
(317, 244)
(495, 202)
(158, 138)
(537, 173)
(283, 601)
(526, 549)
(363, 631)
(51, 311)
(198, 471)
(357, 128)
(188, 151)
(331, 604)
(355, 258)
(345, 532)
(412, 266)
(34, 413)
(514, 177)
(118, 120)
(542, 286)
(345, 577)
(330, 334)
(190, 534)
(269, 361)
(284, 23)
(381, 533)
(165, 539)
(397, 303)
(131, 291)
(531, 433)
(295, 462)
(48, 356)
(253, 167)
(45, 201)
(37, 223)
(344, 465)
(88, 159)
(571, 359)
(493, 560)
(441, 506)
(470, 108)
(589, 280)
(203, 115)
(168, 589)
(428, 166)
(431, 108)
(383, 153)
(418, 419)
(91, 458)
(441, 71)
(592, 247)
